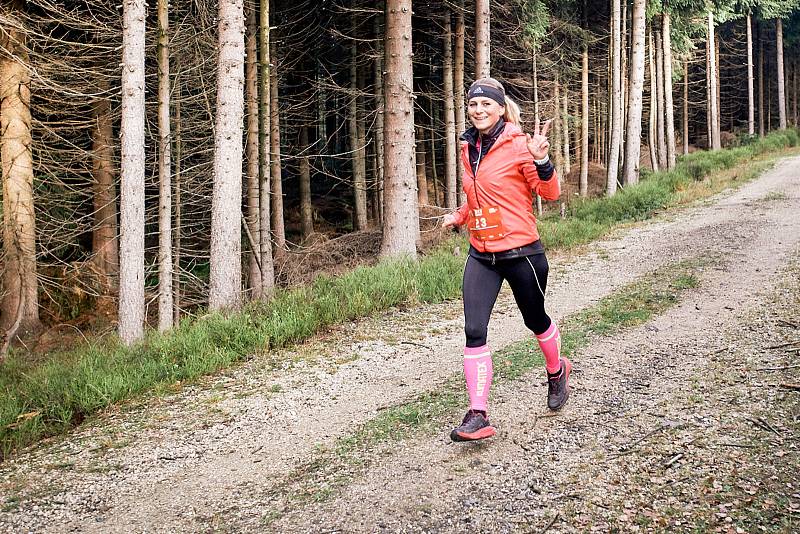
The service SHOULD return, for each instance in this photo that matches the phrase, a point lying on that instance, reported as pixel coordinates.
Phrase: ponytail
(512, 113)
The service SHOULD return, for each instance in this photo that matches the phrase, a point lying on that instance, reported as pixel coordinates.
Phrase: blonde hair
(512, 113)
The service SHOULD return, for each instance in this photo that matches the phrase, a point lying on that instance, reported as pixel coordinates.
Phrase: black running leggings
(527, 278)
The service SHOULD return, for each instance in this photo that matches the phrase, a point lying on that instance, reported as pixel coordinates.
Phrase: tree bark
(458, 82)
(278, 227)
(584, 179)
(252, 153)
(712, 69)
(685, 106)
(616, 100)
(306, 208)
(379, 107)
(660, 100)
(104, 237)
(751, 111)
(781, 83)
(422, 177)
(176, 234)
(131, 283)
(761, 127)
(165, 318)
(264, 157)
(652, 128)
(356, 146)
(633, 131)
(482, 39)
(226, 203)
(567, 166)
(450, 146)
(669, 109)
(401, 221)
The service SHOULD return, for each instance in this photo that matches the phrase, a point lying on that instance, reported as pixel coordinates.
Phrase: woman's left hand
(538, 144)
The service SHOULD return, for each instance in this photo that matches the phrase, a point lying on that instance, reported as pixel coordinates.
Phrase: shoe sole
(566, 396)
(483, 433)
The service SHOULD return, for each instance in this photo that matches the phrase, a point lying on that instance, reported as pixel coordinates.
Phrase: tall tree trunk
(356, 147)
(422, 177)
(164, 174)
(104, 237)
(685, 106)
(252, 153)
(131, 268)
(761, 130)
(450, 145)
(717, 85)
(712, 69)
(584, 180)
(709, 93)
(751, 111)
(306, 208)
(633, 131)
(781, 83)
(433, 114)
(616, 100)
(176, 234)
(669, 108)
(535, 79)
(264, 157)
(482, 39)
(558, 155)
(458, 82)
(379, 106)
(401, 221)
(660, 101)
(794, 92)
(278, 227)
(652, 128)
(226, 203)
(567, 166)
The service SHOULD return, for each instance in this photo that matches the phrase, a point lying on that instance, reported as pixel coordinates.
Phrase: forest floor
(687, 422)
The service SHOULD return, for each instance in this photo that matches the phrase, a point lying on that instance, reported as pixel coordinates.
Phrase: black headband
(498, 95)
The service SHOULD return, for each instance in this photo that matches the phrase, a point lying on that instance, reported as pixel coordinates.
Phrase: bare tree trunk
(794, 91)
(668, 103)
(761, 130)
(663, 160)
(356, 147)
(422, 178)
(450, 146)
(781, 86)
(685, 105)
(652, 130)
(131, 269)
(616, 100)
(566, 131)
(634, 128)
(709, 94)
(482, 39)
(458, 82)
(226, 204)
(713, 109)
(104, 237)
(379, 106)
(751, 111)
(252, 152)
(401, 221)
(278, 227)
(264, 157)
(535, 79)
(434, 128)
(164, 174)
(717, 85)
(306, 208)
(176, 234)
(584, 180)
(558, 155)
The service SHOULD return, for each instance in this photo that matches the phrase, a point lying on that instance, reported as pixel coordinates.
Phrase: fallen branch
(795, 342)
(777, 368)
(787, 323)
(793, 387)
(551, 523)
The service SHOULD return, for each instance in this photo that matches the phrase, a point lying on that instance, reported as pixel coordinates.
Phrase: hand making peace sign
(538, 144)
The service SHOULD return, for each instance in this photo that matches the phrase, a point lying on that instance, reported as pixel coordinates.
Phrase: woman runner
(504, 167)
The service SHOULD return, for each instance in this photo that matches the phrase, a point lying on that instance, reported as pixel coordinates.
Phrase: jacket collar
(471, 135)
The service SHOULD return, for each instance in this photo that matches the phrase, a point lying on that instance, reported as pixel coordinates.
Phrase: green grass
(627, 307)
(46, 398)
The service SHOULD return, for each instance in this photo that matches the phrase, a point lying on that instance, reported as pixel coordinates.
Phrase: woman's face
(484, 113)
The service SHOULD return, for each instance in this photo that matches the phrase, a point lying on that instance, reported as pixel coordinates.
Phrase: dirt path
(203, 458)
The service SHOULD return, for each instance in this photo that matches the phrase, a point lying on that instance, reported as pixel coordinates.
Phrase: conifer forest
(160, 158)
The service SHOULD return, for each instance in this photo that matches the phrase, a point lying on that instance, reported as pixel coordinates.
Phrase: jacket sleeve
(462, 214)
(548, 189)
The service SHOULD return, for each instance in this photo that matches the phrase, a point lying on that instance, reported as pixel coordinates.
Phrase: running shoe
(474, 426)
(558, 386)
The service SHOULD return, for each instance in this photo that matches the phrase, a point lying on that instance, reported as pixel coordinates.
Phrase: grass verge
(47, 398)
(333, 468)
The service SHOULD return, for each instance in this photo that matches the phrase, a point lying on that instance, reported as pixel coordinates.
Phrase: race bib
(486, 223)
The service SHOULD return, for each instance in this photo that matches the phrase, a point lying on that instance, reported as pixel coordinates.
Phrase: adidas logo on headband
(478, 91)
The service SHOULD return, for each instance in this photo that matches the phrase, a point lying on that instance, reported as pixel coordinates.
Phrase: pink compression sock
(478, 372)
(550, 343)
